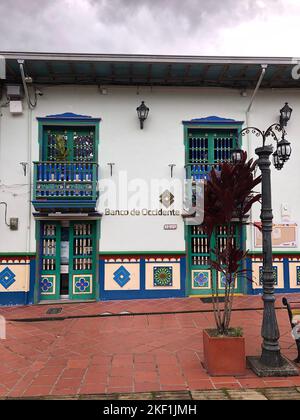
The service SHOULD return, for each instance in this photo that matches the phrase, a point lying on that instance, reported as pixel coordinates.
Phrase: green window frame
(69, 125)
(207, 144)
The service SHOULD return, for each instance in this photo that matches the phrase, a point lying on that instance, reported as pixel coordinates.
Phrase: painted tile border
(24, 295)
(144, 265)
(287, 263)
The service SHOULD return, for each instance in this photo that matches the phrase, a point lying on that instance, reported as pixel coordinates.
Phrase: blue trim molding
(68, 116)
(63, 204)
(213, 120)
(13, 298)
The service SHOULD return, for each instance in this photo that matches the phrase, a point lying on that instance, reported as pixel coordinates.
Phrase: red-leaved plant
(228, 197)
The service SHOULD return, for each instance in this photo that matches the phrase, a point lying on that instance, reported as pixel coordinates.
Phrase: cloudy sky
(195, 27)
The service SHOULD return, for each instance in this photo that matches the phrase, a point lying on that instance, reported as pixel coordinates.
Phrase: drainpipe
(29, 174)
(30, 107)
(29, 181)
(262, 75)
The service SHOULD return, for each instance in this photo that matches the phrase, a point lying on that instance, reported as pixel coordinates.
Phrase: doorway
(68, 260)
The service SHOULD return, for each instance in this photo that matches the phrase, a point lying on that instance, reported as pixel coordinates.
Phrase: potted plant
(61, 149)
(61, 153)
(228, 197)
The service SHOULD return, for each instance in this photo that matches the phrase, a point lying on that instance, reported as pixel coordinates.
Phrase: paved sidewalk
(132, 306)
(126, 354)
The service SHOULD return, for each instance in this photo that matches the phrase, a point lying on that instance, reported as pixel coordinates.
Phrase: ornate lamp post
(271, 362)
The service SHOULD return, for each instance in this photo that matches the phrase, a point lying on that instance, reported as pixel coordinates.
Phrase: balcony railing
(200, 170)
(64, 182)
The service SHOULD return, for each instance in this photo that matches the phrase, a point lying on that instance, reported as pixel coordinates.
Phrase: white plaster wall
(143, 154)
(14, 186)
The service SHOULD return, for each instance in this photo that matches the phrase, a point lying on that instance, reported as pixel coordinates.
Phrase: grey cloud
(194, 11)
(136, 26)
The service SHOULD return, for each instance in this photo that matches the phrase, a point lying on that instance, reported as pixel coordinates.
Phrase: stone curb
(265, 394)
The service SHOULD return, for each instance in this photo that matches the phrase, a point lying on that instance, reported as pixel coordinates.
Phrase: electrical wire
(5, 214)
(31, 104)
(13, 185)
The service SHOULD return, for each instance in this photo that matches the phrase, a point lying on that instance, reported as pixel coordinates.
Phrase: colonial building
(80, 216)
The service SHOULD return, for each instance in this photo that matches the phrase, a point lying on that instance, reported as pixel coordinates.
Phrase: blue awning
(151, 70)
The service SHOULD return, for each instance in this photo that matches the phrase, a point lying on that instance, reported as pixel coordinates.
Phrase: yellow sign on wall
(284, 235)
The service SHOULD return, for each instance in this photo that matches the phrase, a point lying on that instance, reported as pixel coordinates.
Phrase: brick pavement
(125, 354)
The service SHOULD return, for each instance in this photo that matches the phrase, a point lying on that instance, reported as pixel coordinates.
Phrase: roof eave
(142, 58)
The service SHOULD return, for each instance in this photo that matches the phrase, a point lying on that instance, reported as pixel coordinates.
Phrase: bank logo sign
(166, 199)
(177, 197)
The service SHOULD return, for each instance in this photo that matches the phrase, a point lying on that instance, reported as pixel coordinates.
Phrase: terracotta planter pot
(224, 356)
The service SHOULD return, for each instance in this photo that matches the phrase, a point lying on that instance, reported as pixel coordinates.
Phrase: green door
(50, 261)
(206, 149)
(68, 260)
(82, 276)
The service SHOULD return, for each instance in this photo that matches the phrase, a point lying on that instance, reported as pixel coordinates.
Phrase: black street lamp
(278, 163)
(142, 112)
(285, 115)
(237, 155)
(284, 149)
(271, 362)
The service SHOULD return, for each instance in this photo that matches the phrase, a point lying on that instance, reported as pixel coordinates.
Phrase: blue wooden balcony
(65, 185)
(200, 170)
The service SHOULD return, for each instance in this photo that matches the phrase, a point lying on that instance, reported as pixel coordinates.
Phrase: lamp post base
(287, 368)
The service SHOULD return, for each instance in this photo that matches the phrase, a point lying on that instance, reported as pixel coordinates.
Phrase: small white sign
(64, 251)
(64, 269)
(170, 227)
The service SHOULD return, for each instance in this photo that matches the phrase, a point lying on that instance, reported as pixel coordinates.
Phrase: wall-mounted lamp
(142, 112)
(111, 168)
(24, 166)
(172, 166)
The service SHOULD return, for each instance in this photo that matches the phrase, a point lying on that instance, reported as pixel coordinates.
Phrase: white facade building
(70, 244)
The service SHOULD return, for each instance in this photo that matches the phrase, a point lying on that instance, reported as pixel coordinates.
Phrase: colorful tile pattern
(275, 275)
(82, 284)
(222, 280)
(47, 284)
(7, 278)
(121, 276)
(162, 276)
(201, 279)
